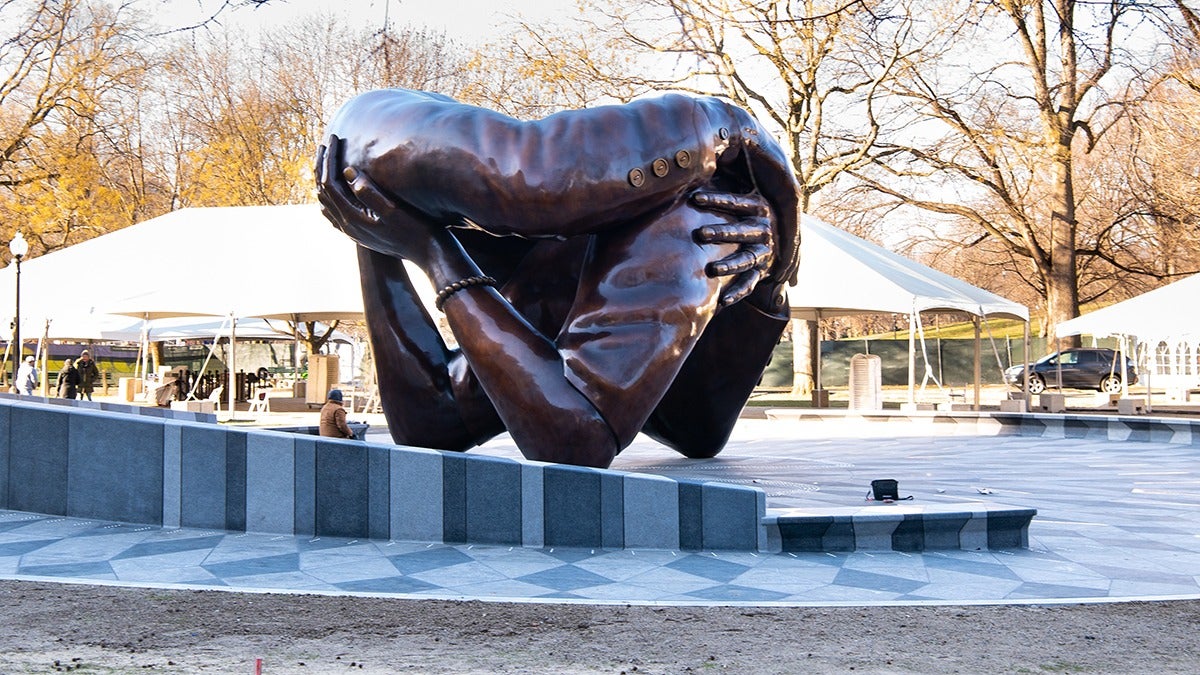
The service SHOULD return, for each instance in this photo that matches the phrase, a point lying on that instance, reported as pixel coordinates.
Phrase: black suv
(1081, 369)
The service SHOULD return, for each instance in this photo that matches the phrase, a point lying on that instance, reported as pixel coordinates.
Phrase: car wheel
(1036, 384)
(1111, 384)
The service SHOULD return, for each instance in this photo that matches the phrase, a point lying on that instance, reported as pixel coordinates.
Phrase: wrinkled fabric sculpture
(604, 271)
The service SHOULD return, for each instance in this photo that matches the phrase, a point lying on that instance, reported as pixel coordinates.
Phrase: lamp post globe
(18, 247)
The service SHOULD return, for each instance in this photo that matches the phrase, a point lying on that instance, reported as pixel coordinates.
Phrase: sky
(460, 19)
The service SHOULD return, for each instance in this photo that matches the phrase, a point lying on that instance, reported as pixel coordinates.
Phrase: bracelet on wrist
(459, 285)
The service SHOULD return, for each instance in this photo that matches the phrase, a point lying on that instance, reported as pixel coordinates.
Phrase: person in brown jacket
(333, 417)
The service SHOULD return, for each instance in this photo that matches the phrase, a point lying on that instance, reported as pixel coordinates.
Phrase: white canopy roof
(283, 262)
(841, 274)
(288, 262)
(1163, 313)
(190, 328)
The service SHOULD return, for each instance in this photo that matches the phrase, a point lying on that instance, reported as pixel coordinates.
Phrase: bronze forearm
(571, 173)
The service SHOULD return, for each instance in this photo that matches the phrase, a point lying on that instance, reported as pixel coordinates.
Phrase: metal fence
(951, 361)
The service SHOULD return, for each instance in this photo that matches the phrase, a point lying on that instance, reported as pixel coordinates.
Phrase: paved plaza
(1116, 520)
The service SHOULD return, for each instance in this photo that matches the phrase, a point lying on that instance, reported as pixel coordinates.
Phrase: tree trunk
(804, 351)
(1062, 289)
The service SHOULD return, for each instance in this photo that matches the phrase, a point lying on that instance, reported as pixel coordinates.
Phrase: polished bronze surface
(590, 300)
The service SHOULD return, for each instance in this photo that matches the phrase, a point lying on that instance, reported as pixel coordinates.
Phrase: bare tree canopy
(1044, 148)
(1013, 95)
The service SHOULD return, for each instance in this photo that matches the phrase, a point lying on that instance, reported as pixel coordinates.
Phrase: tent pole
(296, 355)
(978, 365)
(817, 357)
(144, 363)
(1153, 358)
(1122, 350)
(1058, 361)
(44, 360)
(912, 358)
(1025, 373)
(232, 366)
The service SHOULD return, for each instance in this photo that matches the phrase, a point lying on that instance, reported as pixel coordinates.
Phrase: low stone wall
(128, 409)
(91, 462)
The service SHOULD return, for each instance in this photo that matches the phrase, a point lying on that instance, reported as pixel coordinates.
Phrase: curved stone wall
(63, 458)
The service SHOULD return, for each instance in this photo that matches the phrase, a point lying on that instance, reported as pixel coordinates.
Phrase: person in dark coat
(88, 374)
(68, 380)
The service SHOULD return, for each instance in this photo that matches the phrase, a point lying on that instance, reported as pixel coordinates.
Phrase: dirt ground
(47, 627)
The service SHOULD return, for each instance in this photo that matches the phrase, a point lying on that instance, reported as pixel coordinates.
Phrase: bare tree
(242, 123)
(1016, 94)
(210, 12)
(812, 70)
(1150, 228)
(62, 65)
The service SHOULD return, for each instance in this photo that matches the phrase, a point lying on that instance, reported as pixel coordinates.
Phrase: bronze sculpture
(604, 271)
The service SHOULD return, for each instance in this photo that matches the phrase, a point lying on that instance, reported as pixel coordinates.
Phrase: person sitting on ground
(333, 417)
(605, 271)
(27, 377)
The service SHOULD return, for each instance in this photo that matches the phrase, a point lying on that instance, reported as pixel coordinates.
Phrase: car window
(1070, 358)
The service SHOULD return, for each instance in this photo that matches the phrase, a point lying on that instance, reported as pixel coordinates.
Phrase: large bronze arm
(574, 172)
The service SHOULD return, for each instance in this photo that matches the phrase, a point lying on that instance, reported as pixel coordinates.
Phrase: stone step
(899, 526)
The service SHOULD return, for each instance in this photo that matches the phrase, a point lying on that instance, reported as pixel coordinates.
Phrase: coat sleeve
(573, 172)
(339, 416)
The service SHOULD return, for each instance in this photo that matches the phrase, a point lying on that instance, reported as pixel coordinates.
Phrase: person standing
(333, 417)
(27, 377)
(88, 374)
(68, 380)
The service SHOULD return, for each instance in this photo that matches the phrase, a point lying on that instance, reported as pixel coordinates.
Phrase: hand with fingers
(753, 233)
(357, 206)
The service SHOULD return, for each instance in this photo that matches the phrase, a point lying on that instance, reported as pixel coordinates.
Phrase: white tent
(195, 328)
(1159, 314)
(284, 262)
(288, 262)
(1161, 323)
(264, 261)
(841, 274)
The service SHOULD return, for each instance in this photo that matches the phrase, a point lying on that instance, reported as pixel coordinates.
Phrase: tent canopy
(1159, 314)
(281, 262)
(841, 274)
(192, 328)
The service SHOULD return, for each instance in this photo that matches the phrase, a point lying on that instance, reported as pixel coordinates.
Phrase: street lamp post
(18, 247)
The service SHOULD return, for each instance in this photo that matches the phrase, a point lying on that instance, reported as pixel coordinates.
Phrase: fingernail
(350, 173)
